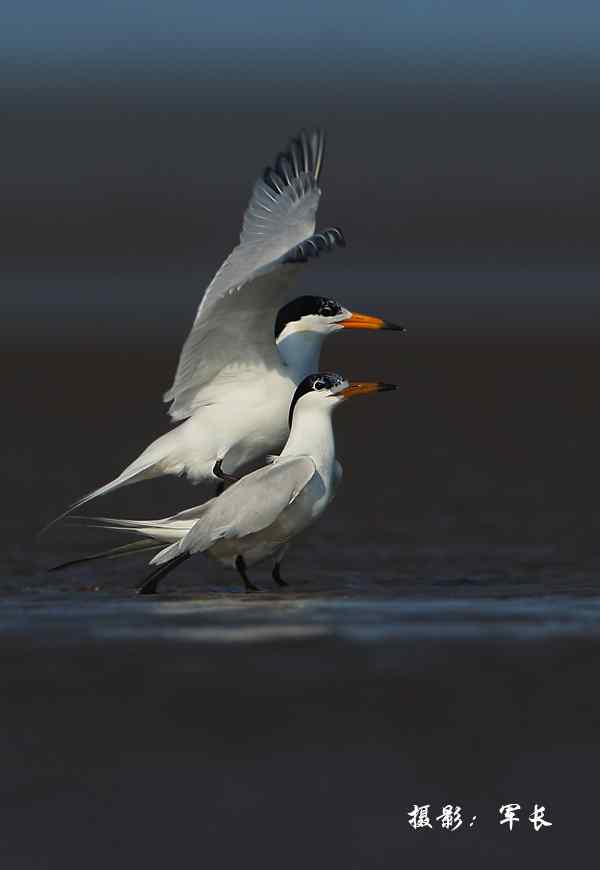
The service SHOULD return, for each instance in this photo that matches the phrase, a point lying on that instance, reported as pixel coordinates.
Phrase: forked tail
(156, 533)
(114, 553)
(130, 475)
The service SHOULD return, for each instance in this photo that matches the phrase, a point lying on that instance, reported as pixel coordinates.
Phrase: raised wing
(249, 506)
(232, 335)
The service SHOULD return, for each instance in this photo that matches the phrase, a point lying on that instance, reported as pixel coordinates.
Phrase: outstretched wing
(232, 335)
(249, 506)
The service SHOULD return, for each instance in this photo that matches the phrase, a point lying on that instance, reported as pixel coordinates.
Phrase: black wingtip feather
(326, 241)
(303, 155)
(283, 167)
(273, 180)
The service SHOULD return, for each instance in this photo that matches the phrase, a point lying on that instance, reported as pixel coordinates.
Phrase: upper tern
(258, 516)
(244, 357)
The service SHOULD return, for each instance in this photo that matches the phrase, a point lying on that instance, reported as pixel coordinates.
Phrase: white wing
(249, 506)
(233, 333)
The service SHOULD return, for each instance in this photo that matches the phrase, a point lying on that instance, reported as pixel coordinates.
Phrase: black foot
(276, 575)
(218, 472)
(149, 585)
(147, 588)
(241, 566)
(220, 488)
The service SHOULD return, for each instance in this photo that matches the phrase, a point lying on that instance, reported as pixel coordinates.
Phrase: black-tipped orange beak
(365, 321)
(361, 388)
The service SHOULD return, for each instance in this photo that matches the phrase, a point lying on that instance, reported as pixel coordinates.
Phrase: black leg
(218, 472)
(220, 488)
(277, 575)
(149, 585)
(241, 566)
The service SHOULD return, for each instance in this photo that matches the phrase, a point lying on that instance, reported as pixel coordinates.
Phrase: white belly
(245, 426)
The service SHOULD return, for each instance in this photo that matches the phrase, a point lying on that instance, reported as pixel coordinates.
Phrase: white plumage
(258, 516)
(233, 329)
(234, 383)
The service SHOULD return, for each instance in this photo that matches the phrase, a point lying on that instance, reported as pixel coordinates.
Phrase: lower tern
(257, 517)
(246, 354)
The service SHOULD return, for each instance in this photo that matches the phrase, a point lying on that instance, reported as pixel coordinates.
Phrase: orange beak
(365, 321)
(361, 388)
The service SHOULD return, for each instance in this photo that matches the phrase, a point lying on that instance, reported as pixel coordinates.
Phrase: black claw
(240, 564)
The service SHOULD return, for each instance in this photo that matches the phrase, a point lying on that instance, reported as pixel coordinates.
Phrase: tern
(257, 517)
(246, 354)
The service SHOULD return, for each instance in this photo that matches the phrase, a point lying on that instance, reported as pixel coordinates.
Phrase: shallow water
(223, 618)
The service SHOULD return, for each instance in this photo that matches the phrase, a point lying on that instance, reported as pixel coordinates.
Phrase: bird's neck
(312, 435)
(300, 349)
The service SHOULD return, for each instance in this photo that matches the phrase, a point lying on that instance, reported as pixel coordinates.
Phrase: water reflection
(234, 619)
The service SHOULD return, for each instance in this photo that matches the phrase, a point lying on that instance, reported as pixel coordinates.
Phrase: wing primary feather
(280, 216)
(325, 241)
(294, 155)
(271, 178)
(306, 153)
(284, 169)
(318, 142)
(304, 145)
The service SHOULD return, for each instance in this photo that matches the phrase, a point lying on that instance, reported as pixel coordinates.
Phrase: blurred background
(462, 164)
(440, 641)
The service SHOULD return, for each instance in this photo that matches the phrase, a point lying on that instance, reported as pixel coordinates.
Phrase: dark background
(440, 639)
(463, 154)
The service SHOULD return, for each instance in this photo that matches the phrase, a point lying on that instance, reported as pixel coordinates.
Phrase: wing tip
(325, 241)
(303, 155)
(309, 144)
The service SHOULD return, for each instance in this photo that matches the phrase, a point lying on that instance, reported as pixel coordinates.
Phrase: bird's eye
(329, 308)
(320, 385)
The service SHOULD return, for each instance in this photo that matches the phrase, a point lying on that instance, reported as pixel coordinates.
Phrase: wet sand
(439, 642)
